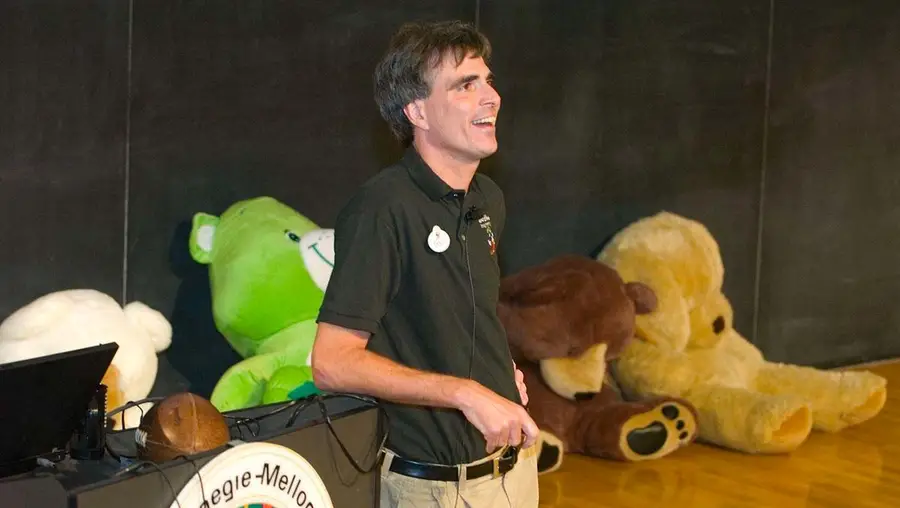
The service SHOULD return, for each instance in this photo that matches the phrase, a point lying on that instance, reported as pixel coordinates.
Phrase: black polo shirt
(416, 266)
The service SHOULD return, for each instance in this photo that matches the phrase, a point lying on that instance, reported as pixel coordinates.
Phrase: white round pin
(438, 240)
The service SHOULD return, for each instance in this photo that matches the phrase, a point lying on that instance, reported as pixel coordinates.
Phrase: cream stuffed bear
(688, 348)
(80, 318)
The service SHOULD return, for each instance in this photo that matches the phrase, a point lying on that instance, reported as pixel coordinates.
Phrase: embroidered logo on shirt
(485, 223)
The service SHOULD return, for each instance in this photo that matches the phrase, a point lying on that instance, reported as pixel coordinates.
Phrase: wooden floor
(858, 467)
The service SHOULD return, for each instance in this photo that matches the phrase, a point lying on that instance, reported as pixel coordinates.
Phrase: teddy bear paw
(659, 431)
(550, 452)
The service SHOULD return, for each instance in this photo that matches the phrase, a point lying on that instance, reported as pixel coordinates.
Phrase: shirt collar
(425, 178)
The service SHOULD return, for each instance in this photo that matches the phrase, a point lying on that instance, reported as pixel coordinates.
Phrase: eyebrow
(468, 79)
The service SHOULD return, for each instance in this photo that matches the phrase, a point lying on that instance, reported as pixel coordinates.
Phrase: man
(409, 314)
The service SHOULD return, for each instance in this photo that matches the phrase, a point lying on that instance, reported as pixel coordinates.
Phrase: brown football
(181, 424)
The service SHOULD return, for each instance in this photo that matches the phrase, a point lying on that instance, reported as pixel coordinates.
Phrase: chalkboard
(617, 110)
(830, 286)
(238, 100)
(63, 104)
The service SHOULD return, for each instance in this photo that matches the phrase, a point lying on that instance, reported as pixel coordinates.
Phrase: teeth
(486, 120)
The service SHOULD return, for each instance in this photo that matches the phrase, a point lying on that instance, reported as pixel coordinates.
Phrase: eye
(718, 325)
(292, 236)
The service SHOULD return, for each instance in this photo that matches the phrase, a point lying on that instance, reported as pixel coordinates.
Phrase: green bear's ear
(203, 233)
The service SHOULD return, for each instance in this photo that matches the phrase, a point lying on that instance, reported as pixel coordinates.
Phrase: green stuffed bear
(268, 269)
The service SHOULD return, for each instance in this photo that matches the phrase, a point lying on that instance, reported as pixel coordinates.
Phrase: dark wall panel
(259, 98)
(829, 285)
(614, 110)
(63, 96)
(611, 110)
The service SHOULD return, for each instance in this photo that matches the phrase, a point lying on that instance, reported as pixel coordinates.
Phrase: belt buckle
(496, 473)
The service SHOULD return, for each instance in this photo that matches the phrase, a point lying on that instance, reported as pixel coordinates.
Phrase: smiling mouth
(487, 121)
(315, 248)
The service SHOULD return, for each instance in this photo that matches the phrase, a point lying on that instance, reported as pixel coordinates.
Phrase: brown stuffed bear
(565, 319)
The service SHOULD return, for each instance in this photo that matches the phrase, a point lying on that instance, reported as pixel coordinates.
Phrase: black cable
(474, 307)
(199, 478)
(138, 465)
(275, 411)
(321, 402)
(246, 422)
(137, 403)
(239, 423)
(298, 405)
(130, 404)
(474, 310)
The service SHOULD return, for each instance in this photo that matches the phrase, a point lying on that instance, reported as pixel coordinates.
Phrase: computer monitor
(42, 401)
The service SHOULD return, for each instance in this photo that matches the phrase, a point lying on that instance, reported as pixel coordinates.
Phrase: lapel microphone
(472, 214)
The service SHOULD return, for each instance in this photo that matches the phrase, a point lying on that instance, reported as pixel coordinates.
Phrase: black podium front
(300, 428)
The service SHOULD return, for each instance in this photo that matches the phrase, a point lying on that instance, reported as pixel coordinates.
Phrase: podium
(108, 482)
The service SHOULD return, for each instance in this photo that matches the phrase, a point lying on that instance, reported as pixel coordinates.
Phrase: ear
(151, 321)
(415, 113)
(669, 323)
(643, 296)
(202, 237)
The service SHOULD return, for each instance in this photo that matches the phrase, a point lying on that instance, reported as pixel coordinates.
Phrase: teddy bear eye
(292, 236)
(718, 325)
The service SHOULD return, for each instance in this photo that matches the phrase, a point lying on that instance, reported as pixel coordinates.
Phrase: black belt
(438, 472)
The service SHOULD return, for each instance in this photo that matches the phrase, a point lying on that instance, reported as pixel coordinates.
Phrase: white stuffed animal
(80, 318)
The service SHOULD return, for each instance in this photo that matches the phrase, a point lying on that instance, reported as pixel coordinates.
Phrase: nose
(491, 97)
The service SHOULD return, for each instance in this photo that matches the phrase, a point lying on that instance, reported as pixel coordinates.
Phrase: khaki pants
(516, 489)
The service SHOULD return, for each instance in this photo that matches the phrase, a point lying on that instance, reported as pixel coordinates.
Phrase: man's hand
(501, 421)
(520, 383)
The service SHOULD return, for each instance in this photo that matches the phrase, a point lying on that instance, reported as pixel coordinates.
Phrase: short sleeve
(366, 272)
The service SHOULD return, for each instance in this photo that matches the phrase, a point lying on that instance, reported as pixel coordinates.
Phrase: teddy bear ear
(668, 323)
(203, 234)
(643, 296)
(156, 326)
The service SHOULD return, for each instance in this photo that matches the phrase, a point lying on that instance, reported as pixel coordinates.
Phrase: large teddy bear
(565, 319)
(688, 348)
(81, 318)
(268, 269)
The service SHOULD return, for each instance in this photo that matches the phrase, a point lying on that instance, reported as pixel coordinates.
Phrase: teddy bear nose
(719, 325)
(583, 396)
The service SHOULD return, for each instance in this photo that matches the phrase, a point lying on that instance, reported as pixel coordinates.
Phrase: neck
(454, 172)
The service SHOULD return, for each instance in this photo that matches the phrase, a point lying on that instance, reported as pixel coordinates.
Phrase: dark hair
(404, 73)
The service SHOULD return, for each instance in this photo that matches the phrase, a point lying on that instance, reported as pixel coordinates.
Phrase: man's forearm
(364, 372)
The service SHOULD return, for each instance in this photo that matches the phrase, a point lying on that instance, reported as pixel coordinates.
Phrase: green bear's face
(269, 267)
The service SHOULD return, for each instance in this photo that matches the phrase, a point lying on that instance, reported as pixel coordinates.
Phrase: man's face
(461, 111)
